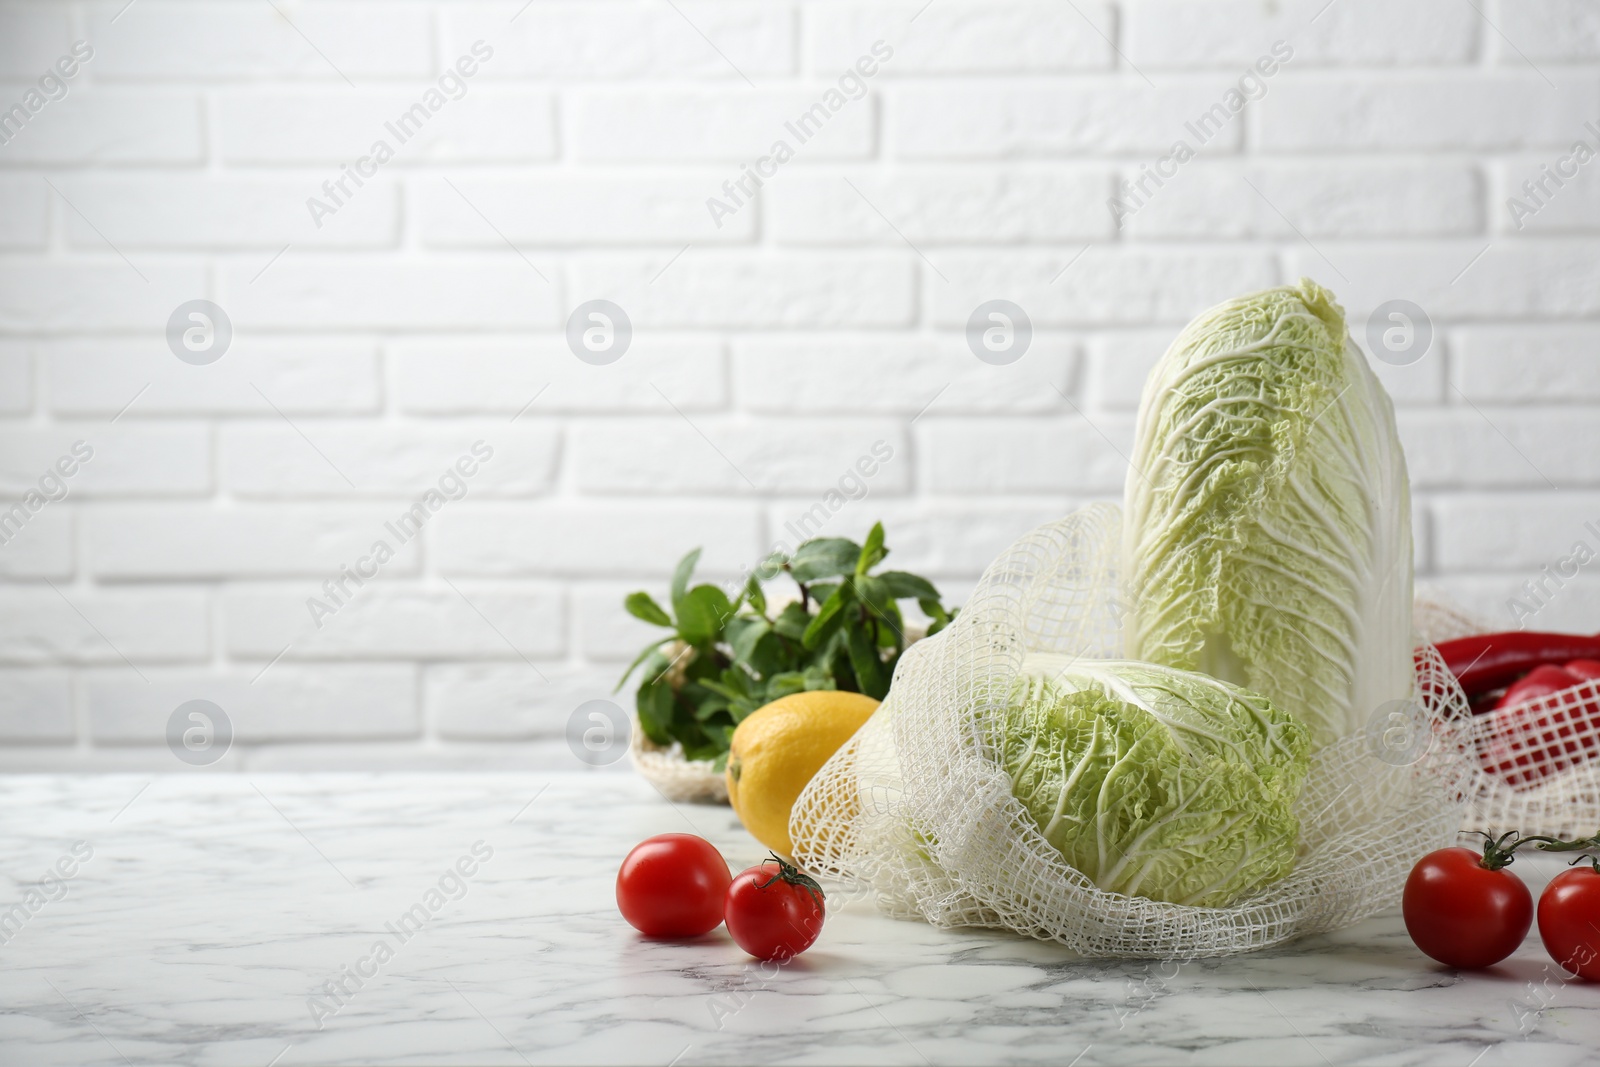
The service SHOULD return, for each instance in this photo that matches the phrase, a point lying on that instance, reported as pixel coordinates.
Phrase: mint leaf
(874, 592)
(792, 622)
(702, 613)
(828, 616)
(649, 650)
(680, 577)
(940, 618)
(770, 567)
(904, 584)
(784, 684)
(743, 634)
(643, 606)
(872, 552)
(654, 704)
(817, 678)
(771, 655)
(865, 663)
(824, 557)
(755, 595)
(820, 593)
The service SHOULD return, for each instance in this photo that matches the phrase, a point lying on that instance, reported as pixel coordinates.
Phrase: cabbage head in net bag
(1018, 761)
(1265, 542)
(1267, 516)
(1155, 782)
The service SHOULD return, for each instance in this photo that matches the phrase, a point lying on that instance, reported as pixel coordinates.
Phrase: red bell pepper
(1583, 668)
(1535, 736)
(1535, 733)
(1538, 684)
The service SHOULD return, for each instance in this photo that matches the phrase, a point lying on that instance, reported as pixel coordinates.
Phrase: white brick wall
(769, 352)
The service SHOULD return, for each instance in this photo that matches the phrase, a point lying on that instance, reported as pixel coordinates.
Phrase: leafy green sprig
(724, 658)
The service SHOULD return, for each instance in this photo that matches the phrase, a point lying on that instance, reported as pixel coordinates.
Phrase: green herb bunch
(725, 658)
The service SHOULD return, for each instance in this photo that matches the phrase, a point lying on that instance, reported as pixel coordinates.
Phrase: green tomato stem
(1499, 852)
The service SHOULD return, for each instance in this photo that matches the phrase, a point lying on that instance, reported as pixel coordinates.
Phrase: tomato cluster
(678, 886)
(1465, 909)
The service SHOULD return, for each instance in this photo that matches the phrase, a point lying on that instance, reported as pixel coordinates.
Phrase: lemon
(778, 748)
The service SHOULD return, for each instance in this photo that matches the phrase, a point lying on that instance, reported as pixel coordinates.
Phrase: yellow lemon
(777, 749)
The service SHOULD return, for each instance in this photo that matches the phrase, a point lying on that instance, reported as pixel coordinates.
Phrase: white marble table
(213, 909)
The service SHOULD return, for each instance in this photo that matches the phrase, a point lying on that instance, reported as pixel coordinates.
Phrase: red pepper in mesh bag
(1546, 723)
(1537, 684)
(1583, 668)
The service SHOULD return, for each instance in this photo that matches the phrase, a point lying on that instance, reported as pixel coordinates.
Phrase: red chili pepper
(1486, 662)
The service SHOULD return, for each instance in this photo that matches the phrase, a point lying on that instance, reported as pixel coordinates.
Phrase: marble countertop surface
(204, 919)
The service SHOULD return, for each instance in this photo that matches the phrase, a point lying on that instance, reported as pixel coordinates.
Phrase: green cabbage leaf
(1267, 517)
(1155, 782)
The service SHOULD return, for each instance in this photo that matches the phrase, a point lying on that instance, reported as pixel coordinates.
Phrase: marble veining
(236, 920)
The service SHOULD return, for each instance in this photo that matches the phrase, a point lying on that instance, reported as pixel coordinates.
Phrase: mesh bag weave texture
(676, 778)
(1538, 765)
(916, 810)
(1436, 618)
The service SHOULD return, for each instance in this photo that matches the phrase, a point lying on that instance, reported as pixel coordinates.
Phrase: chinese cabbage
(1155, 782)
(1267, 536)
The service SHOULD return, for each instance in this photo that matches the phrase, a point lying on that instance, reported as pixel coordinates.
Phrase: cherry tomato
(1569, 921)
(1464, 913)
(673, 885)
(774, 911)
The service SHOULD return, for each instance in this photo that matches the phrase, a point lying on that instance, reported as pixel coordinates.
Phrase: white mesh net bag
(916, 809)
(1538, 770)
(1537, 765)
(676, 778)
(1436, 618)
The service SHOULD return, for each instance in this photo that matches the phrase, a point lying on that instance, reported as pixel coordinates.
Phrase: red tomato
(673, 885)
(1583, 668)
(1462, 913)
(774, 911)
(1569, 921)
